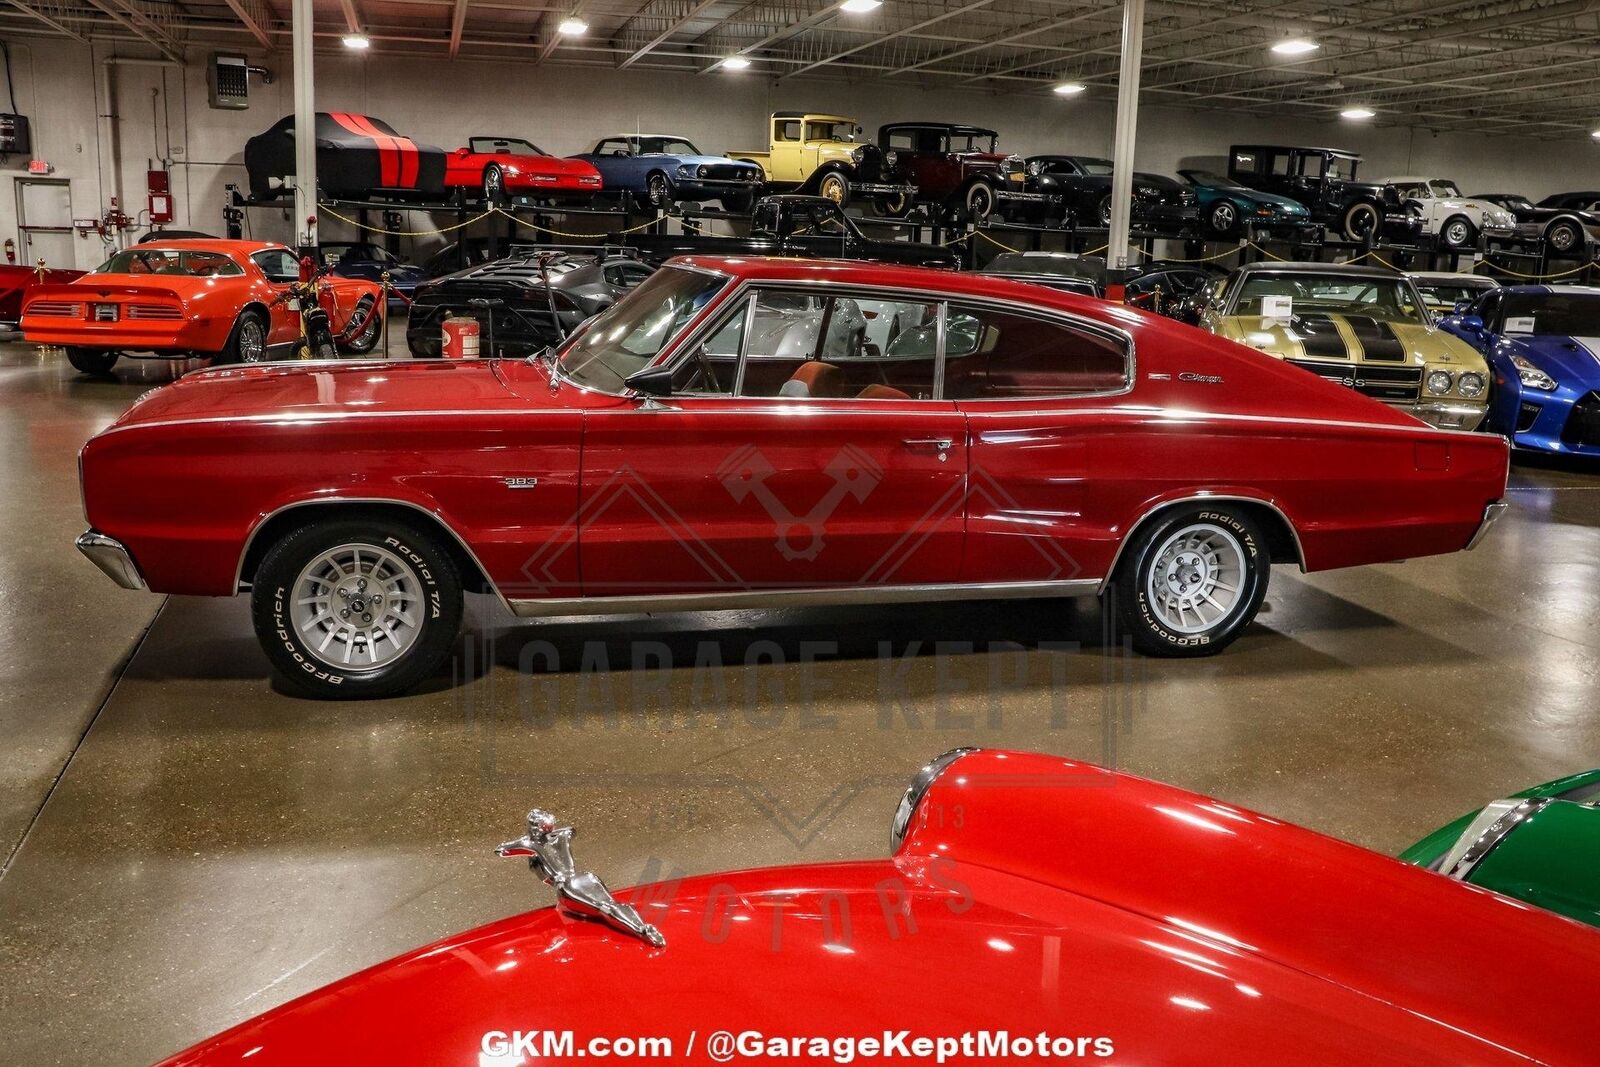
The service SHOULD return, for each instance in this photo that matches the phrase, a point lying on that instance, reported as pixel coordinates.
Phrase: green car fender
(1541, 846)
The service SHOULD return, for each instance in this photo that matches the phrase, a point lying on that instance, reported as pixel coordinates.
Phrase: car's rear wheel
(366, 339)
(356, 608)
(979, 202)
(248, 341)
(1458, 233)
(1105, 211)
(92, 361)
(494, 185)
(1563, 237)
(1192, 580)
(1224, 217)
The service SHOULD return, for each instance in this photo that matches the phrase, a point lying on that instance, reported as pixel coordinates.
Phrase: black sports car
(1563, 229)
(1587, 200)
(1064, 272)
(1082, 184)
(357, 156)
(517, 312)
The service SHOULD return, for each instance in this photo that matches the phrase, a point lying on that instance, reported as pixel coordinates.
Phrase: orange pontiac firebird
(182, 298)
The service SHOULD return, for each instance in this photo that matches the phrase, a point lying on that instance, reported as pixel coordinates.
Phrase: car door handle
(940, 445)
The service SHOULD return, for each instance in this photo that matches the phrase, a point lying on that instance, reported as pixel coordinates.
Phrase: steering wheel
(708, 369)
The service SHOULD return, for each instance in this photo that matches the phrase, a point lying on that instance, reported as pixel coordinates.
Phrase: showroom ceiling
(1528, 66)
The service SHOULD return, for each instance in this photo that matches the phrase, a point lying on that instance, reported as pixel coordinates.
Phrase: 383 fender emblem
(521, 483)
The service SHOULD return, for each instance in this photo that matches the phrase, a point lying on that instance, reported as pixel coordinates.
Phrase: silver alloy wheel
(357, 607)
(656, 190)
(1198, 578)
(252, 340)
(1456, 232)
(493, 184)
(1223, 217)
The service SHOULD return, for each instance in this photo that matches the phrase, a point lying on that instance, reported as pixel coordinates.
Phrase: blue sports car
(1227, 208)
(1543, 345)
(362, 259)
(660, 171)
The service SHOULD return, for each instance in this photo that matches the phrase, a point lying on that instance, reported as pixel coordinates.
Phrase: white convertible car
(1454, 219)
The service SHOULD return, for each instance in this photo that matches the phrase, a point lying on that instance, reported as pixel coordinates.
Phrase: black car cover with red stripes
(357, 156)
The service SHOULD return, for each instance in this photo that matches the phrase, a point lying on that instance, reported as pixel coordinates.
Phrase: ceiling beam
(59, 27)
(673, 27)
(778, 34)
(907, 31)
(554, 36)
(140, 26)
(1043, 26)
(254, 21)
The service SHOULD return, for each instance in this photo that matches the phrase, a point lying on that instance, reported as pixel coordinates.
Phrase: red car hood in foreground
(1033, 899)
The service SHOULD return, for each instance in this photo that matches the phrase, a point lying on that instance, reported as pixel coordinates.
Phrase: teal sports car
(1228, 209)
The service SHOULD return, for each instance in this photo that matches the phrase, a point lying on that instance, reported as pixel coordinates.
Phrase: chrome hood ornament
(548, 848)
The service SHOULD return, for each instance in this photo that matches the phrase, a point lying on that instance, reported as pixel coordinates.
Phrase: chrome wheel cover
(656, 190)
(1197, 579)
(1563, 238)
(252, 341)
(1456, 233)
(357, 607)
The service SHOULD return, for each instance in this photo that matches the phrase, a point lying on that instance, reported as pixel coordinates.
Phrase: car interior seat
(812, 380)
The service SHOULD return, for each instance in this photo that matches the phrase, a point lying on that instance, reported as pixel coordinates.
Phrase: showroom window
(998, 355)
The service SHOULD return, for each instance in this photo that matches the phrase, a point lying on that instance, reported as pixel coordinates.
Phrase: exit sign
(39, 166)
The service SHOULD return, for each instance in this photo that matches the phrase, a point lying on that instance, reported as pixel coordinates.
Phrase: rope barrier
(563, 233)
(1536, 277)
(405, 233)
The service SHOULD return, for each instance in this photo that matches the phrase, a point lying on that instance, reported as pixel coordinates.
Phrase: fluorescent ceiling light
(1068, 89)
(1295, 46)
(573, 26)
(1596, 135)
(860, 7)
(736, 63)
(1357, 113)
(358, 41)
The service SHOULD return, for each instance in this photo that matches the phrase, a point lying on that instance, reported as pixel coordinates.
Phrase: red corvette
(183, 298)
(503, 167)
(16, 282)
(1034, 910)
(759, 433)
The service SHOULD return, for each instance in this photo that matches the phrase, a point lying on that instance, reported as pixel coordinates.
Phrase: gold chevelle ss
(1363, 327)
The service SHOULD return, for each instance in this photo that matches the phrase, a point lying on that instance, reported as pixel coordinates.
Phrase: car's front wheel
(1224, 217)
(494, 186)
(658, 191)
(980, 202)
(1360, 219)
(91, 361)
(356, 608)
(835, 187)
(1192, 580)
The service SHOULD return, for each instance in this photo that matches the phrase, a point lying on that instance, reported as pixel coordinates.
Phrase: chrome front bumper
(1445, 415)
(1491, 512)
(110, 556)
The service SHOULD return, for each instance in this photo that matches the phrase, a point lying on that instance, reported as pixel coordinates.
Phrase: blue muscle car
(1543, 345)
(1226, 208)
(660, 170)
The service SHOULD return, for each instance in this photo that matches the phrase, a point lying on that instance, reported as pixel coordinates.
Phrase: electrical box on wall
(14, 137)
(158, 197)
(228, 77)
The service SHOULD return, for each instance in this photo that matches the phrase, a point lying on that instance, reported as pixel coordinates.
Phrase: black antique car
(357, 156)
(1323, 179)
(1080, 187)
(813, 227)
(524, 302)
(1564, 229)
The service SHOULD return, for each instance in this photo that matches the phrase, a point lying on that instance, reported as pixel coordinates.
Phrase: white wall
(565, 109)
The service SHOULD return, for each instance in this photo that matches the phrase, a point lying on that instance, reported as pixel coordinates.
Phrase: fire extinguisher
(11, 250)
(459, 335)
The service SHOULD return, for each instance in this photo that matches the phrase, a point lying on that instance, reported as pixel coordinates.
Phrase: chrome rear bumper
(110, 556)
(1491, 512)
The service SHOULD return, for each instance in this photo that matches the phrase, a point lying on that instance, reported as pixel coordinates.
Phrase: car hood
(549, 165)
(1069, 900)
(1353, 338)
(694, 161)
(308, 391)
(1281, 203)
(1569, 360)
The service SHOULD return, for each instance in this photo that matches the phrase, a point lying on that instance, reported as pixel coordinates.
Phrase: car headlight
(1440, 381)
(891, 158)
(858, 154)
(1035, 168)
(703, 171)
(685, 171)
(1470, 384)
(1532, 376)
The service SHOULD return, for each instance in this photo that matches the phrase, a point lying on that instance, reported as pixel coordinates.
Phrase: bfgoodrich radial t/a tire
(356, 608)
(1192, 580)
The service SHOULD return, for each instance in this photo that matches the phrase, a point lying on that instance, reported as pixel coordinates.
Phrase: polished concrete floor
(186, 846)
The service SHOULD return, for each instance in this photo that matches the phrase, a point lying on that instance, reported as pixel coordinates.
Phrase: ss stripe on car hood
(1320, 336)
(1378, 339)
(1375, 341)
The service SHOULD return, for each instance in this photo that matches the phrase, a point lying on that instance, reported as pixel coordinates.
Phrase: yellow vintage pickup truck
(813, 153)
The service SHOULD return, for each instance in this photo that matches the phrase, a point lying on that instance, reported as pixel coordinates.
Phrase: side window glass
(279, 265)
(1245, 162)
(991, 355)
(788, 131)
(805, 346)
(1280, 164)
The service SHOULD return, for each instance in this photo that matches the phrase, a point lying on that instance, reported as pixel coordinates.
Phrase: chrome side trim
(907, 808)
(238, 570)
(1294, 533)
(792, 598)
(112, 558)
(1466, 860)
(1491, 514)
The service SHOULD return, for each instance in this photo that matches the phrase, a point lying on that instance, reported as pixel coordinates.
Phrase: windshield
(1552, 314)
(667, 146)
(1449, 294)
(145, 260)
(1443, 188)
(504, 147)
(1284, 296)
(831, 131)
(1205, 177)
(625, 339)
(356, 253)
(1517, 203)
(1095, 166)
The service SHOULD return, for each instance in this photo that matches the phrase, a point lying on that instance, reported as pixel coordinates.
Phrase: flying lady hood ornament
(548, 848)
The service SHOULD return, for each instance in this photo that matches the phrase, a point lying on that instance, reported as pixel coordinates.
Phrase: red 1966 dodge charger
(1034, 910)
(743, 432)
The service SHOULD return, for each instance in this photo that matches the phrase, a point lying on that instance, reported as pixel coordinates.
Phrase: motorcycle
(317, 339)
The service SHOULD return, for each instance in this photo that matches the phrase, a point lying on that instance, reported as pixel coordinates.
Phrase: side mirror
(652, 381)
(1472, 323)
